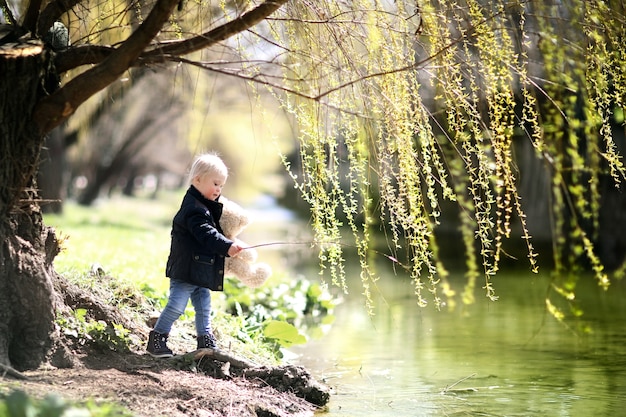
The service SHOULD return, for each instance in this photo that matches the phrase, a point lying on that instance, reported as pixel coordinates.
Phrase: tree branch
(77, 56)
(216, 35)
(56, 108)
(12, 372)
(31, 15)
(111, 63)
(93, 54)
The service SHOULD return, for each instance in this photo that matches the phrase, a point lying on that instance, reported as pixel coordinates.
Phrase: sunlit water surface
(504, 358)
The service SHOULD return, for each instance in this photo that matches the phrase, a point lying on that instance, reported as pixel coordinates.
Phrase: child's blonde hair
(208, 163)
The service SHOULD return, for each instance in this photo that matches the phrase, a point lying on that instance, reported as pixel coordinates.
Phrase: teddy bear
(244, 266)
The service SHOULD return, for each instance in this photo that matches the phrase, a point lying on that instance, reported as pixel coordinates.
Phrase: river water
(503, 358)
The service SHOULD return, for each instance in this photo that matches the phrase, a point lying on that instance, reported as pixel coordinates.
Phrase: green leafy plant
(283, 333)
(280, 314)
(19, 404)
(97, 333)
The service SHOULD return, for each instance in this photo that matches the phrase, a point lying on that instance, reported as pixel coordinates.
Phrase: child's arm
(207, 235)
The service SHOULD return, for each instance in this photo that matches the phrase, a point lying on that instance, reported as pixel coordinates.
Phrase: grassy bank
(128, 239)
(114, 254)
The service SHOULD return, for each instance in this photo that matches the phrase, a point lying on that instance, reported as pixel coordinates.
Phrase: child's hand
(234, 250)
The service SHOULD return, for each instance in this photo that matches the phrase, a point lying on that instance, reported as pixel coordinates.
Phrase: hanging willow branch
(418, 103)
(402, 110)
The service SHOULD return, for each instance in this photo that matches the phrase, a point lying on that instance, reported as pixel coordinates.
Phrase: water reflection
(489, 359)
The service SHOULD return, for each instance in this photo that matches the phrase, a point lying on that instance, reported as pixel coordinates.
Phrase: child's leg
(176, 304)
(201, 301)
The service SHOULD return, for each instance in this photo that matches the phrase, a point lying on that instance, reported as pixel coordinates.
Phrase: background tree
(115, 151)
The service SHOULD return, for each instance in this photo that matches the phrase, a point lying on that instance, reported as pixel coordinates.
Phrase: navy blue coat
(198, 248)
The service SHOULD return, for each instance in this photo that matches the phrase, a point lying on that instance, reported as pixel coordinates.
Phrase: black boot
(157, 345)
(207, 341)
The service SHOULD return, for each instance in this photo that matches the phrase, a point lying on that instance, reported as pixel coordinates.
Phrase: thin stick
(314, 243)
(449, 387)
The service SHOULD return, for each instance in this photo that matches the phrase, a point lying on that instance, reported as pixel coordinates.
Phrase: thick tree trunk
(50, 178)
(27, 248)
(26, 292)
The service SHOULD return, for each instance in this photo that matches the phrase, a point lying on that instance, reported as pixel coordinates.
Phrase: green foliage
(278, 314)
(283, 333)
(19, 404)
(416, 105)
(97, 333)
(401, 107)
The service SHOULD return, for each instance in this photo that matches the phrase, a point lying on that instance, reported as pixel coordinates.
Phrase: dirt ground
(158, 387)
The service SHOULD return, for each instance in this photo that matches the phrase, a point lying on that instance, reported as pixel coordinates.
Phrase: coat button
(221, 272)
(196, 257)
(219, 287)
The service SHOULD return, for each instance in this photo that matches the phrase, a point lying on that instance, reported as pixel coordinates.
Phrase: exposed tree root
(7, 370)
(289, 378)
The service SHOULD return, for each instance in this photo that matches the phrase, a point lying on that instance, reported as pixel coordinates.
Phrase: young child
(197, 254)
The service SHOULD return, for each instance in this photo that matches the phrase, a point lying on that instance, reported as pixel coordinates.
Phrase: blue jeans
(180, 292)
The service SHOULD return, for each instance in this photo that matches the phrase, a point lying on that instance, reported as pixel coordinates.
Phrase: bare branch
(256, 79)
(31, 15)
(216, 35)
(94, 54)
(81, 55)
(52, 110)
(12, 372)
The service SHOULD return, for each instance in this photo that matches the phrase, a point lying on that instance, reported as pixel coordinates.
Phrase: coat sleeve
(200, 224)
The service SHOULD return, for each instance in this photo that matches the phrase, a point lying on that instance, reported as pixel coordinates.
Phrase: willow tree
(400, 106)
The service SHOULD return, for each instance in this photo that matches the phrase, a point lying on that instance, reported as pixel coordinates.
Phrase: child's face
(210, 185)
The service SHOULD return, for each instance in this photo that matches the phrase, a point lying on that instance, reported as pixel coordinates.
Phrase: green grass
(128, 238)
